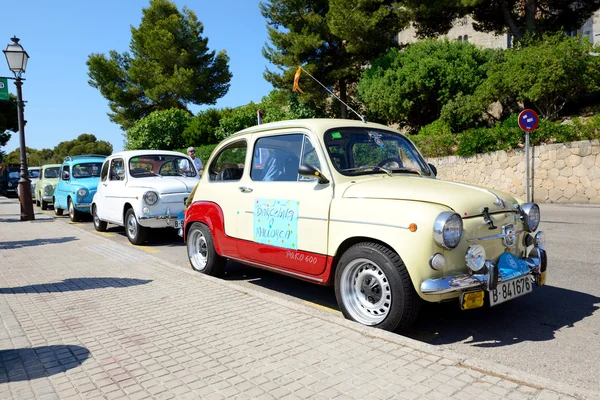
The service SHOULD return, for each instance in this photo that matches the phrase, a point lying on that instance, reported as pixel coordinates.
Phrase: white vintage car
(354, 205)
(143, 189)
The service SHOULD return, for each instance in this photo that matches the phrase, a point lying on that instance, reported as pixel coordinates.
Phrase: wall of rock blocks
(561, 173)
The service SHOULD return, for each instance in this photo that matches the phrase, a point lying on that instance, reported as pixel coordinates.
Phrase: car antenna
(334, 95)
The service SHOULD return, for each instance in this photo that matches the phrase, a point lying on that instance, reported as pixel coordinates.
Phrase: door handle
(245, 189)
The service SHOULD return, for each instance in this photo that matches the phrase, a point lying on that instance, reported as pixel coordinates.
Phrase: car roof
(314, 124)
(50, 165)
(131, 153)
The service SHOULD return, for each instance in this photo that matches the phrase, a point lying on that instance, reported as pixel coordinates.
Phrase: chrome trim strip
(368, 223)
(498, 236)
(279, 271)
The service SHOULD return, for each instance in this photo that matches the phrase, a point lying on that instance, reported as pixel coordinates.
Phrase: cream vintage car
(355, 205)
(143, 189)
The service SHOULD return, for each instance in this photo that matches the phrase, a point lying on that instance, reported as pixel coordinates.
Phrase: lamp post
(17, 58)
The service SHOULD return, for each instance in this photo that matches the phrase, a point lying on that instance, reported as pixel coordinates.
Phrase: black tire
(99, 225)
(44, 204)
(37, 202)
(372, 287)
(57, 211)
(74, 215)
(201, 251)
(136, 233)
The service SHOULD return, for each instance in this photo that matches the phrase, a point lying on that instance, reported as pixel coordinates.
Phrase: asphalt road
(553, 332)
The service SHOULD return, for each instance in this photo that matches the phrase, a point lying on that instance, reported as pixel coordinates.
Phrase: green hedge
(436, 139)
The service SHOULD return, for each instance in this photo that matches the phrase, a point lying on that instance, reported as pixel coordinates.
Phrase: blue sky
(59, 36)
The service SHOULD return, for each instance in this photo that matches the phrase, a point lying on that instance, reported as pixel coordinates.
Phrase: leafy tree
(84, 144)
(170, 66)
(202, 129)
(547, 73)
(413, 85)
(519, 17)
(8, 120)
(333, 39)
(161, 130)
(36, 157)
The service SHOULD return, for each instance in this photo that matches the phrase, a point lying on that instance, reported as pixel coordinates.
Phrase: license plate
(178, 223)
(510, 289)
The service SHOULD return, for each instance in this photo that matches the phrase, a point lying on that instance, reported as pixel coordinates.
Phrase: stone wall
(562, 173)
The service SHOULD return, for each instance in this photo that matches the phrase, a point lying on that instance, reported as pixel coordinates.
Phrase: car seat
(281, 166)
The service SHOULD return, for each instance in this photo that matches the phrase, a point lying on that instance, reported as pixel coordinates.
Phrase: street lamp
(17, 58)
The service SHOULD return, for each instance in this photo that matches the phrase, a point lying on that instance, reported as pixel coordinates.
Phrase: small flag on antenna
(296, 79)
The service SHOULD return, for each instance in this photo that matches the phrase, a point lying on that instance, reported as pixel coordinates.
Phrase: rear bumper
(536, 262)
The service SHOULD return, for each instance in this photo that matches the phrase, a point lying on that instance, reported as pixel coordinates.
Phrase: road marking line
(322, 307)
(105, 234)
(146, 248)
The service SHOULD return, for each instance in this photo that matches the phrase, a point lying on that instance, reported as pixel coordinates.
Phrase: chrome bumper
(536, 262)
(168, 217)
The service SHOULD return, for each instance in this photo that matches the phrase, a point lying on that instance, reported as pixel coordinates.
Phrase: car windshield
(14, 175)
(144, 166)
(358, 151)
(51, 173)
(34, 173)
(87, 170)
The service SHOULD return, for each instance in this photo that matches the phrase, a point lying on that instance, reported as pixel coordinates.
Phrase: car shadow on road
(16, 244)
(39, 362)
(535, 317)
(76, 284)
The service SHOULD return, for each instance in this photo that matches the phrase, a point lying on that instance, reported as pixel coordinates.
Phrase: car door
(284, 217)
(113, 189)
(63, 189)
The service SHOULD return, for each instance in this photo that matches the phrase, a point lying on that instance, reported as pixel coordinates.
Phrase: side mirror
(121, 173)
(310, 171)
(433, 168)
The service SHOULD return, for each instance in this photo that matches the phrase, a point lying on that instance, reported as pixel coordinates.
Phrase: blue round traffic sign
(528, 120)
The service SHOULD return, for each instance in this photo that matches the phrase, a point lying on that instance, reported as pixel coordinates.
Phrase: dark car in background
(12, 179)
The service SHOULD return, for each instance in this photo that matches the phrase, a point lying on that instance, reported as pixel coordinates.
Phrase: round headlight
(531, 216)
(48, 189)
(448, 229)
(150, 198)
(475, 257)
(82, 192)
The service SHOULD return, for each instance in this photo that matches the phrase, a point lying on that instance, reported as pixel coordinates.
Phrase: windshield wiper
(409, 170)
(369, 167)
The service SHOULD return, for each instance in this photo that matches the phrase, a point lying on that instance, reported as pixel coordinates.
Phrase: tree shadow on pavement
(16, 244)
(535, 317)
(39, 362)
(76, 284)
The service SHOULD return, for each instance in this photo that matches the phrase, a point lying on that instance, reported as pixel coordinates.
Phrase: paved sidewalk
(82, 317)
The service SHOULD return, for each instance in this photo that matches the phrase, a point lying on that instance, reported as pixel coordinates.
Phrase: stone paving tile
(96, 319)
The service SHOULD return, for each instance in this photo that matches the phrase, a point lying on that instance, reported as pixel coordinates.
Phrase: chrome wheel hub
(132, 226)
(198, 250)
(365, 292)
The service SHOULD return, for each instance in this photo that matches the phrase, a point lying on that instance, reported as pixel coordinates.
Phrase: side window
(277, 158)
(65, 173)
(229, 163)
(117, 170)
(104, 172)
(309, 154)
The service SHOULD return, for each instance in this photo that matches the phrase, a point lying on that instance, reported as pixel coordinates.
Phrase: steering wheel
(390, 160)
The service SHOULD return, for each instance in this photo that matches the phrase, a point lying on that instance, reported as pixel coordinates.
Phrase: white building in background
(463, 31)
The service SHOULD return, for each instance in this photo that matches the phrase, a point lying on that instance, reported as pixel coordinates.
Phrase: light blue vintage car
(79, 177)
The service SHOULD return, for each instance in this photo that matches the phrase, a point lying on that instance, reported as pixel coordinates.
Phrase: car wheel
(44, 204)
(201, 251)
(99, 225)
(57, 211)
(135, 232)
(74, 215)
(37, 202)
(372, 287)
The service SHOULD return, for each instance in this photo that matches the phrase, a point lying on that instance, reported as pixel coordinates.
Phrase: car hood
(165, 184)
(467, 200)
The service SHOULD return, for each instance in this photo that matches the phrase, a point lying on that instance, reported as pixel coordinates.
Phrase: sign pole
(527, 165)
(528, 121)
